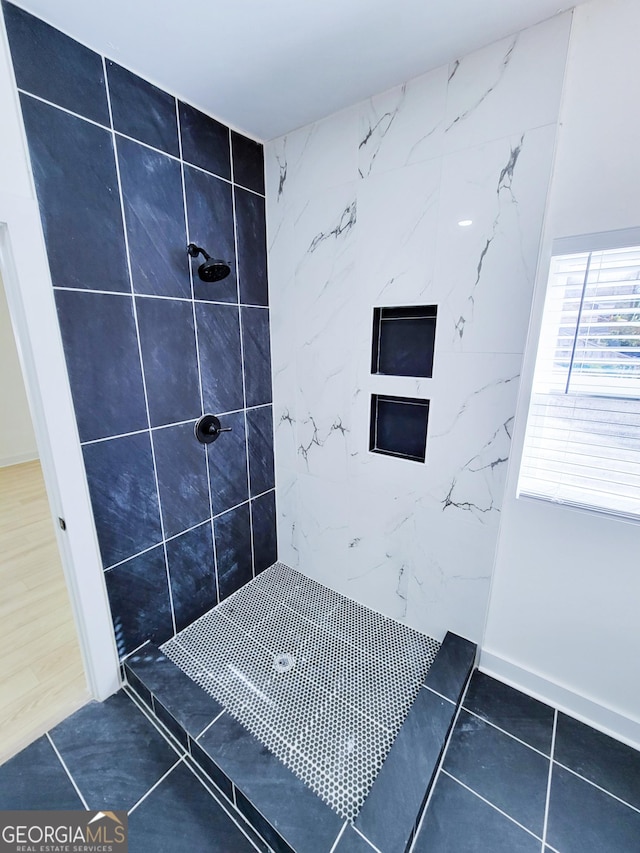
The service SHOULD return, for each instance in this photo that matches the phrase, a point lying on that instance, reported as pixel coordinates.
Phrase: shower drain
(283, 662)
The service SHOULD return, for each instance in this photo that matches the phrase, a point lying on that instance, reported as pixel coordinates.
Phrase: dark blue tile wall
(252, 248)
(53, 66)
(210, 216)
(154, 214)
(142, 111)
(77, 185)
(191, 574)
(150, 347)
(233, 549)
(205, 142)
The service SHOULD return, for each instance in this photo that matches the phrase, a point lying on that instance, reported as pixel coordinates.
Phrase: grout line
(489, 803)
(594, 785)
(182, 532)
(137, 649)
(181, 758)
(548, 797)
(68, 772)
(153, 787)
(446, 698)
(364, 837)
(208, 726)
(129, 294)
(205, 450)
(505, 732)
(220, 800)
(340, 834)
(137, 326)
(174, 424)
(440, 769)
(242, 356)
(132, 138)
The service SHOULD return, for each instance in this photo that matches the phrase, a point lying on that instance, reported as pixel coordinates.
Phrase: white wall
(564, 615)
(17, 439)
(25, 273)
(362, 211)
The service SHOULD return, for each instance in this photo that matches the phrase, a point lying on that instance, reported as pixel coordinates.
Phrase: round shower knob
(208, 428)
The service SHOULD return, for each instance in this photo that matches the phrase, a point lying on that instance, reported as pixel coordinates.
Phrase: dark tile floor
(111, 756)
(517, 777)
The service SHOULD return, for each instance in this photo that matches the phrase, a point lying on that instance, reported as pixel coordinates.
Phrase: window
(582, 443)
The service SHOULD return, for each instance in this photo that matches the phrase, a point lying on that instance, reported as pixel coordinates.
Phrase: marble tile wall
(362, 211)
(125, 176)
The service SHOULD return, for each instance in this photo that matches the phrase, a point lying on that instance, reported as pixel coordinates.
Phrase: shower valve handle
(208, 428)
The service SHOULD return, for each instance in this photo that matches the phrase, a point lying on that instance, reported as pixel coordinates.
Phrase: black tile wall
(220, 356)
(139, 597)
(53, 66)
(154, 215)
(233, 549)
(141, 110)
(257, 355)
(205, 142)
(77, 186)
(252, 248)
(181, 466)
(93, 323)
(150, 347)
(210, 216)
(192, 575)
(248, 162)
(260, 439)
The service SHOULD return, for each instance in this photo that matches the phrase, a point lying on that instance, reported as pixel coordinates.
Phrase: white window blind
(582, 443)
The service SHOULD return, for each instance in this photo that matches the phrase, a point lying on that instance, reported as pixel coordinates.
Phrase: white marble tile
(485, 272)
(398, 214)
(415, 541)
(403, 125)
(314, 158)
(511, 85)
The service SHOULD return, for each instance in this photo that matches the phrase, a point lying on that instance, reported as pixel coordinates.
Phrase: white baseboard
(5, 461)
(586, 710)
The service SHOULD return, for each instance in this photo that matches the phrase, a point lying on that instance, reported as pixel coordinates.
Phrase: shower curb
(282, 810)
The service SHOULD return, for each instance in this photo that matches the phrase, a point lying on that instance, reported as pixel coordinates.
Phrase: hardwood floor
(42, 678)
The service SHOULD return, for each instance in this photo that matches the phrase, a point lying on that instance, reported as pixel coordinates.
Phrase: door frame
(25, 273)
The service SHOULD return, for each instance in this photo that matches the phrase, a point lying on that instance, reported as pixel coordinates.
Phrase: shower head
(213, 269)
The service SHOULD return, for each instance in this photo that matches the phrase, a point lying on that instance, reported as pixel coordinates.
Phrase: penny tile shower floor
(322, 681)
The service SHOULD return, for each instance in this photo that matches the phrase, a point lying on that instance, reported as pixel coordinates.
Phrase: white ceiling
(269, 67)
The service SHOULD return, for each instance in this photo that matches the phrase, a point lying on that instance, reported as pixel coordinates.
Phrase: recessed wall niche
(399, 426)
(403, 340)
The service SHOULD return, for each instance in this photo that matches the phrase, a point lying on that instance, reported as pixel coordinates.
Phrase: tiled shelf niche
(399, 426)
(403, 341)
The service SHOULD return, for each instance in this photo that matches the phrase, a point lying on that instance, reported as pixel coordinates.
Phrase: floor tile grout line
(208, 726)
(339, 836)
(364, 837)
(155, 785)
(489, 803)
(446, 698)
(505, 732)
(599, 787)
(67, 771)
(182, 755)
(548, 796)
(218, 796)
(439, 768)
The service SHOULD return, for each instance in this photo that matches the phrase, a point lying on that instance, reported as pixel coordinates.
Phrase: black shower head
(213, 269)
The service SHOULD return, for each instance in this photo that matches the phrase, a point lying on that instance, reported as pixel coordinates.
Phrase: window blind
(582, 443)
